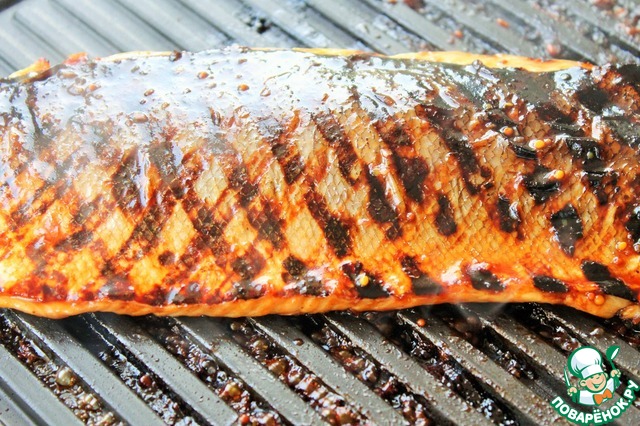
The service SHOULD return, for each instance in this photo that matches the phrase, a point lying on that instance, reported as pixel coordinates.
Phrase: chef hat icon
(585, 362)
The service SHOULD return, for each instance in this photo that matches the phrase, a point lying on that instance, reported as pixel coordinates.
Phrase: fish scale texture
(247, 182)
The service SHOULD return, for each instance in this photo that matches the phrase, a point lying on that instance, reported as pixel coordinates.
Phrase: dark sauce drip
(367, 286)
(629, 74)
(591, 157)
(268, 223)
(445, 221)
(148, 227)
(633, 225)
(443, 121)
(335, 231)
(239, 180)
(282, 148)
(549, 284)
(592, 97)
(421, 283)
(559, 122)
(521, 148)
(540, 184)
(249, 265)
(75, 241)
(467, 82)
(157, 296)
(601, 275)
(392, 132)
(624, 130)
(169, 167)
(210, 231)
(508, 215)
(117, 288)
(498, 118)
(413, 171)
(299, 279)
(483, 279)
(129, 183)
(333, 132)
(247, 290)
(380, 209)
(567, 226)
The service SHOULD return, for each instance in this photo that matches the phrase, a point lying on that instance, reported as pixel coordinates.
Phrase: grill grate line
(103, 27)
(10, 413)
(528, 406)
(538, 350)
(98, 377)
(32, 397)
(358, 19)
(224, 16)
(486, 28)
(328, 370)
(569, 37)
(5, 68)
(528, 342)
(191, 32)
(18, 48)
(175, 375)
(600, 21)
(61, 31)
(213, 336)
(444, 402)
(306, 26)
(582, 326)
(416, 23)
(111, 21)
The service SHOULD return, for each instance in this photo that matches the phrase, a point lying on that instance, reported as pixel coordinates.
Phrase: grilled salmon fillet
(251, 182)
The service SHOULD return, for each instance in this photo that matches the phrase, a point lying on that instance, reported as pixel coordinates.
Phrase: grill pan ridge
(473, 364)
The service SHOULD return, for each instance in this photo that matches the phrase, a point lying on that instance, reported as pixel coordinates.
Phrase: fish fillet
(247, 182)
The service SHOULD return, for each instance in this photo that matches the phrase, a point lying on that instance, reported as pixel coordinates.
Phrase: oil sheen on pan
(249, 182)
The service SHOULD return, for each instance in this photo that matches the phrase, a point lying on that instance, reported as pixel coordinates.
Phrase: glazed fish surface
(251, 182)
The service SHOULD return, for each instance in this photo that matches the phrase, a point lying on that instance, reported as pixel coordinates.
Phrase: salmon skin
(251, 182)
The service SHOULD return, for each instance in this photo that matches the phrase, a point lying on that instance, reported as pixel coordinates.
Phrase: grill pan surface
(435, 365)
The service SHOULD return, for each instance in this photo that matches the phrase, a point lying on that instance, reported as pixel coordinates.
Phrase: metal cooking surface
(466, 364)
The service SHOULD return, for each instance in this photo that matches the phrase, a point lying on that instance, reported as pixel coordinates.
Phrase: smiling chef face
(586, 364)
(595, 383)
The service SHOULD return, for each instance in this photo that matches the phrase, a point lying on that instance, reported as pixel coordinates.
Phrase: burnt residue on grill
(88, 407)
(412, 406)
(443, 367)
(553, 332)
(55, 376)
(133, 374)
(534, 317)
(468, 326)
(147, 386)
(611, 48)
(459, 33)
(251, 409)
(286, 368)
(628, 331)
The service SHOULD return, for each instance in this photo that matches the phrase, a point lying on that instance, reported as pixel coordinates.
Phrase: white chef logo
(593, 387)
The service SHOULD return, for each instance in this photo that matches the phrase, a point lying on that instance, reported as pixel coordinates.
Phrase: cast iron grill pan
(471, 364)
